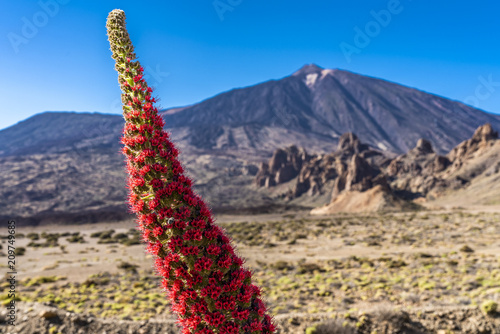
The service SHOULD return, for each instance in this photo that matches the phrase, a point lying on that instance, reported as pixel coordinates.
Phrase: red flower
(157, 183)
(194, 235)
(157, 231)
(153, 204)
(154, 248)
(215, 319)
(180, 225)
(200, 307)
(230, 328)
(187, 251)
(203, 264)
(195, 258)
(174, 243)
(198, 224)
(240, 315)
(213, 250)
(224, 262)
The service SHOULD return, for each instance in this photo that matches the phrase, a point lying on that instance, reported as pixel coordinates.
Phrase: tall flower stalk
(205, 281)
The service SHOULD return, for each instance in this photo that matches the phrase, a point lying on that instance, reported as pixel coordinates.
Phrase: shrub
(76, 238)
(20, 251)
(33, 236)
(102, 234)
(489, 307)
(128, 267)
(51, 240)
(281, 265)
(309, 268)
(466, 249)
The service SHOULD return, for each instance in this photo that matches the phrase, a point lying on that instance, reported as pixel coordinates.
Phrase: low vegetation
(337, 265)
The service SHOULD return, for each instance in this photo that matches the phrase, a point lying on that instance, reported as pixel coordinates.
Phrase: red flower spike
(194, 257)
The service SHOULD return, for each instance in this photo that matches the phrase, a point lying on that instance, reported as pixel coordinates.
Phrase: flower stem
(209, 288)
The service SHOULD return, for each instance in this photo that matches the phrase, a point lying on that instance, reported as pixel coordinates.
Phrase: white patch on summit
(311, 79)
(324, 73)
(382, 146)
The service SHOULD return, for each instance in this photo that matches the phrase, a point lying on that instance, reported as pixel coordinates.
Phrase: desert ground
(431, 271)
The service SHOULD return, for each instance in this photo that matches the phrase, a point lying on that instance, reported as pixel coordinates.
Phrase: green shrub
(103, 234)
(135, 240)
(281, 265)
(466, 249)
(309, 268)
(33, 236)
(489, 307)
(311, 330)
(76, 238)
(128, 267)
(51, 240)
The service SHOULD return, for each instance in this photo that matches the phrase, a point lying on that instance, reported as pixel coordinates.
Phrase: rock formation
(284, 165)
(313, 172)
(414, 174)
(360, 186)
(361, 178)
(483, 138)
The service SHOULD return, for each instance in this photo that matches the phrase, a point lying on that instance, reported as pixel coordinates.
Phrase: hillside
(65, 165)
(313, 107)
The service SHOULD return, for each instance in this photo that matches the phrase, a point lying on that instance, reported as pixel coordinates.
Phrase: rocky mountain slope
(360, 178)
(58, 132)
(314, 106)
(68, 166)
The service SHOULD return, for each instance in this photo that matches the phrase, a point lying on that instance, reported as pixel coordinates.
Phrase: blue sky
(55, 54)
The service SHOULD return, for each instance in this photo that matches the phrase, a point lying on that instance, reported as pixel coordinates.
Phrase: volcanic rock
(483, 138)
(284, 165)
(414, 174)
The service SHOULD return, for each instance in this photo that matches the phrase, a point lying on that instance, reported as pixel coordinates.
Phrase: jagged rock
(365, 179)
(278, 160)
(424, 146)
(360, 174)
(349, 142)
(313, 172)
(286, 173)
(262, 174)
(269, 182)
(485, 133)
(356, 175)
(423, 173)
(313, 175)
(440, 163)
(322, 169)
(483, 137)
(341, 180)
(284, 165)
(413, 174)
(354, 179)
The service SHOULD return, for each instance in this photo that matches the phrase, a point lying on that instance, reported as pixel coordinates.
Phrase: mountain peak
(308, 69)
